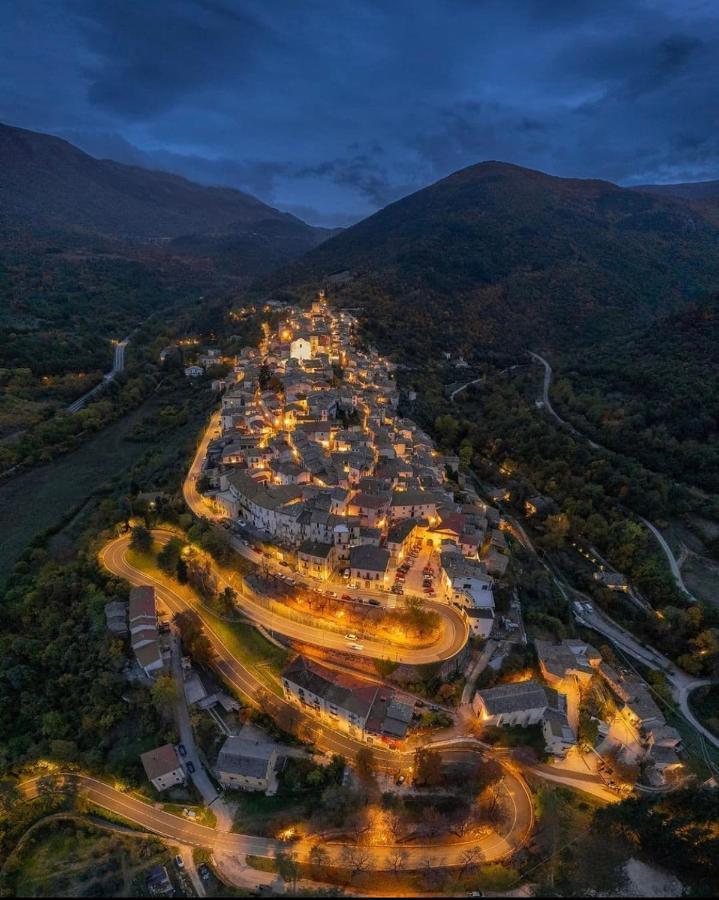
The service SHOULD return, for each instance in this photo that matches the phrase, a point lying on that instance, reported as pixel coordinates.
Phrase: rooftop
(160, 761)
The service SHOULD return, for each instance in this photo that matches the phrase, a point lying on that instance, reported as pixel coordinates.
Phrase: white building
(301, 348)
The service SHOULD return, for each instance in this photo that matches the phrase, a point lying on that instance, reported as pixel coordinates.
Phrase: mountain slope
(46, 182)
(673, 363)
(688, 190)
(504, 256)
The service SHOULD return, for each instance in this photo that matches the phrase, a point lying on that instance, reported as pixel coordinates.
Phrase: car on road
(190, 768)
(182, 750)
(284, 563)
(351, 636)
(357, 647)
(178, 862)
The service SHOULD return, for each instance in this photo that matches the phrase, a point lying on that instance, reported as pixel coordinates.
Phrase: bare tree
(398, 860)
(469, 860)
(319, 860)
(395, 824)
(355, 859)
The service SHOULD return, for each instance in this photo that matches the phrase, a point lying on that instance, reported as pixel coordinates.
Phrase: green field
(41, 498)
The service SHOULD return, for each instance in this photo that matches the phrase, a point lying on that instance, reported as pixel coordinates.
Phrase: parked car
(182, 750)
(190, 767)
(374, 602)
(178, 862)
(351, 636)
(204, 871)
(399, 779)
(347, 598)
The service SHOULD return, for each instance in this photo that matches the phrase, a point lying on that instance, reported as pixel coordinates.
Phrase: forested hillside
(89, 249)
(496, 255)
(46, 182)
(656, 391)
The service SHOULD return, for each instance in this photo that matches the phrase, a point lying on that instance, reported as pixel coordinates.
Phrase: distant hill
(47, 183)
(703, 196)
(504, 256)
(689, 190)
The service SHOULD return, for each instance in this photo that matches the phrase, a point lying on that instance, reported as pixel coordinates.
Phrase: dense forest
(497, 430)
(654, 392)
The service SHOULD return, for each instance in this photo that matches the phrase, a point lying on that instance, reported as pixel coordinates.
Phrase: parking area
(418, 574)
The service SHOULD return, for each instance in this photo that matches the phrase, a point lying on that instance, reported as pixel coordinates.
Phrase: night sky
(333, 109)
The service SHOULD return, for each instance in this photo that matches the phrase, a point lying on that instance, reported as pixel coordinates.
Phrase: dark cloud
(336, 107)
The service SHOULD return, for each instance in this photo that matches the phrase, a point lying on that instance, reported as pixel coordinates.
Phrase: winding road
(114, 557)
(454, 629)
(240, 677)
(666, 549)
(492, 847)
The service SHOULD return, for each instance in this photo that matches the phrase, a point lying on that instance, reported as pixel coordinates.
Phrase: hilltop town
(313, 457)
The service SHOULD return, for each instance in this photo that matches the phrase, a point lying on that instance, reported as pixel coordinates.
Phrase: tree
(141, 539)
(557, 531)
(225, 601)
(355, 859)
(288, 868)
(196, 643)
(168, 557)
(181, 570)
(469, 860)
(319, 861)
(164, 695)
(365, 764)
(427, 767)
(397, 860)
(288, 718)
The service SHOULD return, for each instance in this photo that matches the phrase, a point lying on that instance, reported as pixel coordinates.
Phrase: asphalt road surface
(493, 846)
(118, 365)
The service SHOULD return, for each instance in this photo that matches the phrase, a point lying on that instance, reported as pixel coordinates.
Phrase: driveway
(200, 778)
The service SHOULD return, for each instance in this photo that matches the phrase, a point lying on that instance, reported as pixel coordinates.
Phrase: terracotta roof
(160, 761)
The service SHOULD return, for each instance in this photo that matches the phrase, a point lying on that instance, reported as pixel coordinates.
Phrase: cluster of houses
(248, 761)
(315, 457)
(138, 618)
(572, 664)
(364, 710)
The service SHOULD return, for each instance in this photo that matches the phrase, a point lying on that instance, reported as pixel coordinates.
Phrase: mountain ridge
(497, 254)
(47, 182)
